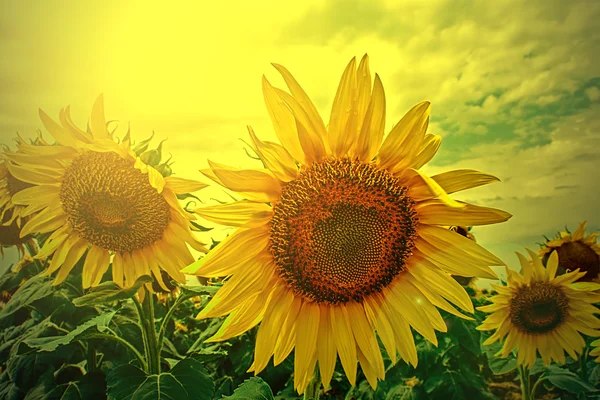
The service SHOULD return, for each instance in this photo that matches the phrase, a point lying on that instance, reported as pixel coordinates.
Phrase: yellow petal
(373, 125)
(98, 121)
(307, 329)
(276, 158)
(237, 214)
(429, 147)
(62, 136)
(344, 340)
(40, 194)
(402, 143)
(326, 350)
(310, 140)
(117, 270)
(95, 265)
(67, 122)
(365, 337)
(342, 121)
(411, 309)
(367, 369)
(451, 260)
(182, 185)
(402, 334)
(71, 259)
(363, 87)
(283, 121)
(302, 99)
(268, 331)
(445, 238)
(287, 336)
(436, 189)
(241, 246)
(247, 180)
(457, 180)
(438, 213)
(579, 232)
(246, 317)
(378, 319)
(240, 286)
(36, 176)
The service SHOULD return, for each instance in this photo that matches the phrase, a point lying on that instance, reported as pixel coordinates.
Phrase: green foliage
(252, 389)
(50, 343)
(188, 380)
(108, 292)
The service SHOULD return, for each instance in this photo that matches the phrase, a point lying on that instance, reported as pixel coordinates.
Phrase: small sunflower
(576, 251)
(541, 312)
(341, 236)
(96, 197)
(11, 215)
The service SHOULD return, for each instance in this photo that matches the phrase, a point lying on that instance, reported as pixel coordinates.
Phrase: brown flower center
(538, 308)
(342, 231)
(573, 255)
(111, 204)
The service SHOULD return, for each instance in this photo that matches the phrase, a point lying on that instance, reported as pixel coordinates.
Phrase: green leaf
(89, 387)
(252, 389)
(108, 292)
(464, 335)
(188, 380)
(567, 380)
(498, 365)
(34, 289)
(52, 342)
(594, 376)
(198, 290)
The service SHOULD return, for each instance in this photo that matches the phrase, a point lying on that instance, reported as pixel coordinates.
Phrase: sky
(514, 85)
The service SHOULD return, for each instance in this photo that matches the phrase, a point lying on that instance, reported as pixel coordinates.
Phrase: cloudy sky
(514, 85)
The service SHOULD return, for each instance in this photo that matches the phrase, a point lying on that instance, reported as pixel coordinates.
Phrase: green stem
(524, 377)
(92, 365)
(148, 323)
(313, 389)
(163, 326)
(142, 326)
(124, 342)
(539, 381)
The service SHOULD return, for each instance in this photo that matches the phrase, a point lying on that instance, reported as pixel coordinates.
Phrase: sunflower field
(348, 273)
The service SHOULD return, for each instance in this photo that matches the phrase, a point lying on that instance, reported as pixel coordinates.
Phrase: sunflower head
(100, 202)
(576, 251)
(12, 216)
(340, 236)
(539, 312)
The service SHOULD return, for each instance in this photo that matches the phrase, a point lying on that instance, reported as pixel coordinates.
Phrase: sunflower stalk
(149, 326)
(142, 326)
(313, 389)
(92, 365)
(525, 382)
(163, 326)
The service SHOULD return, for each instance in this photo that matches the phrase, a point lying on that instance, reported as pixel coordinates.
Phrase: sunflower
(11, 215)
(97, 198)
(541, 312)
(576, 251)
(341, 236)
